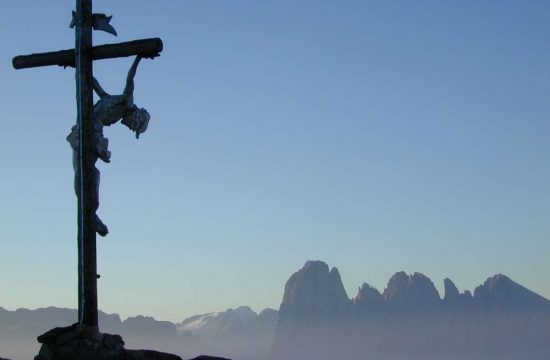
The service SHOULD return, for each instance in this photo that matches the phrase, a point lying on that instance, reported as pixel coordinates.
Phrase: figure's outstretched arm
(98, 89)
(129, 89)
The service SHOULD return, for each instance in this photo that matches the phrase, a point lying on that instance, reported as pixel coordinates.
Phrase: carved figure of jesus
(108, 110)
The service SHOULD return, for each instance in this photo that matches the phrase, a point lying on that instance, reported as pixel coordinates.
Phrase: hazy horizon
(499, 320)
(439, 286)
(376, 136)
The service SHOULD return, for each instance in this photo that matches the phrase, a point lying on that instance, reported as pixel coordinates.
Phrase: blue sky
(377, 136)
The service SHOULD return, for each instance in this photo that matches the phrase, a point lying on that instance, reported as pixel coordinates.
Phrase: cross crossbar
(144, 47)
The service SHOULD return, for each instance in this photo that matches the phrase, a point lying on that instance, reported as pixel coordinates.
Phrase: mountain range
(317, 320)
(409, 319)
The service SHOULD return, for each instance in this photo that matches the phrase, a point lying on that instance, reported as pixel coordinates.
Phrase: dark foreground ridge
(75, 343)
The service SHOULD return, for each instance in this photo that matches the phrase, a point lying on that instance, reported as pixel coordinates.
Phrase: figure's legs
(100, 227)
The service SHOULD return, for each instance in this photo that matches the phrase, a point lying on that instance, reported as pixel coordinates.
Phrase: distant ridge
(409, 319)
(233, 333)
(317, 292)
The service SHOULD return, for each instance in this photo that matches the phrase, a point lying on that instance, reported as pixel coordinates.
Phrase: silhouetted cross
(82, 58)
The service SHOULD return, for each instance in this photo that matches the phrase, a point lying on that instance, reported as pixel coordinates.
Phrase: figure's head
(137, 120)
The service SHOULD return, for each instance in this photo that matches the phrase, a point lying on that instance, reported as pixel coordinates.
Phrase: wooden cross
(82, 58)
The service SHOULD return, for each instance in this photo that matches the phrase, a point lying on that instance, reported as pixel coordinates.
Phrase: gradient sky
(377, 136)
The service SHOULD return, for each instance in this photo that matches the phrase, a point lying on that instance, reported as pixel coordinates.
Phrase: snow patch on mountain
(216, 323)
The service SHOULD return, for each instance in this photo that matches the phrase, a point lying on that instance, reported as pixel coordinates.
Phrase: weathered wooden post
(87, 262)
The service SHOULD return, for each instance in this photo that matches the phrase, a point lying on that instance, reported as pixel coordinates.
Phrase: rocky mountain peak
(316, 266)
(499, 291)
(411, 291)
(335, 274)
(368, 294)
(451, 291)
(243, 313)
(314, 293)
(397, 285)
(368, 299)
(269, 314)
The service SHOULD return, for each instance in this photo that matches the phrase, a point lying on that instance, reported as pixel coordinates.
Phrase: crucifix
(86, 137)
